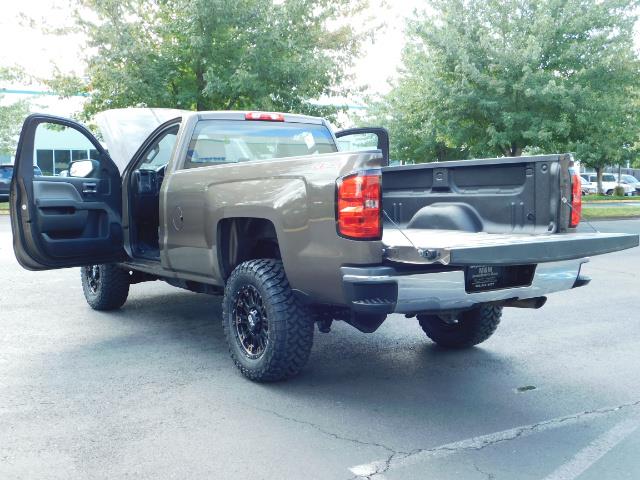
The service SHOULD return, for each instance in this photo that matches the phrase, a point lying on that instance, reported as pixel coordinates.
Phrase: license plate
(483, 277)
(480, 278)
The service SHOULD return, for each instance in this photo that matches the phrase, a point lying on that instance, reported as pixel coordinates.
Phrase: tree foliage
(215, 54)
(498, 77)
(11, 114)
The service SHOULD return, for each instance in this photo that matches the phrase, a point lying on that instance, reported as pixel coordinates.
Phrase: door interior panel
(66, 210)
(61, 220)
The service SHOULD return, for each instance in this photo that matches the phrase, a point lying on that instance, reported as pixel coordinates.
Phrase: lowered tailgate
(454, 247)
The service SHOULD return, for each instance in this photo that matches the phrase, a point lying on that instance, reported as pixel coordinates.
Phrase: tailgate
(453, 247)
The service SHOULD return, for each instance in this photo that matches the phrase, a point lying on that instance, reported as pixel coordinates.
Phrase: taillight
(358, 209)
(576, 200)
(267, 117)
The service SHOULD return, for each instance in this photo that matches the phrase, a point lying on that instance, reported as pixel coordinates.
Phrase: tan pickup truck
(297, 225)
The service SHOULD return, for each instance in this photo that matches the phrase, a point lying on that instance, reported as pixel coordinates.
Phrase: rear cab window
(217, 142)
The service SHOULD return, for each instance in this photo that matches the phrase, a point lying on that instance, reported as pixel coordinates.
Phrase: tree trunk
(515, 150)
(200, 103)
(599, 177)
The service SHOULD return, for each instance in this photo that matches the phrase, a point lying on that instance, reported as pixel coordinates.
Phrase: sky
(40, 54)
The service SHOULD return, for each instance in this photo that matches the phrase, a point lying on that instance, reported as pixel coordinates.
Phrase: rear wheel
(268, 331)
(105, 287)
(463, 330)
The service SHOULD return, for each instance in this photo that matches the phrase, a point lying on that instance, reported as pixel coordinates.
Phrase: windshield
(630, 178)
(230, 141)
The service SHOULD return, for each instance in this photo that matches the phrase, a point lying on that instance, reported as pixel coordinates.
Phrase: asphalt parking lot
(149, 391)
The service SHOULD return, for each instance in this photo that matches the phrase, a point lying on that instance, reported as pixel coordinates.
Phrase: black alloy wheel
(105, 287)
(251, 322)
(92, 274)
(268, 330)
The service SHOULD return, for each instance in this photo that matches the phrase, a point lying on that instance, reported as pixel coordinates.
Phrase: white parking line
(593, 452)
(476, 443)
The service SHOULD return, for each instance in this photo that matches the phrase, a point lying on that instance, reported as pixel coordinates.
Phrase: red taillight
(576, 200)
(267, 117)
(359, 206)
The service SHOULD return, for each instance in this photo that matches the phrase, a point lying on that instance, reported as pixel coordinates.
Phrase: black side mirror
(365, 139)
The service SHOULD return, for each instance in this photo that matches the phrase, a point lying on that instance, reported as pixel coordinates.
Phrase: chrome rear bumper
(385, 290)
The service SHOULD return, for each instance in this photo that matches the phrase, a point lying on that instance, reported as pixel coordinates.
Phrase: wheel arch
(239, 239)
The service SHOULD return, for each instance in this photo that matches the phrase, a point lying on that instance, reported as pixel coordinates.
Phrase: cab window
(216, 142)
(159, 154)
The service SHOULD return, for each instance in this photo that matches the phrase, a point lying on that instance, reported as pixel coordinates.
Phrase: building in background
(56, 148)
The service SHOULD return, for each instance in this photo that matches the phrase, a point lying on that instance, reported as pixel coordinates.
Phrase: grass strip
(610, 212)
(608, 198)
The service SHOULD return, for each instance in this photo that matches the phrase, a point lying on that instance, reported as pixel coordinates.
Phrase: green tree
(498, 77)
(11, 115)
(215, 54)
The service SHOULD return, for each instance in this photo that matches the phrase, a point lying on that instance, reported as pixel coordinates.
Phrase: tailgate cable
(424, 253)
(582, 219)
(434, 254)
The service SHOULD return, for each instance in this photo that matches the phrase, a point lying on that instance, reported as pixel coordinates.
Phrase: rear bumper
(385, 290)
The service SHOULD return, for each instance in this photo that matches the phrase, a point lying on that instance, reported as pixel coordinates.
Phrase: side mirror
(83, 168)
(368, 138)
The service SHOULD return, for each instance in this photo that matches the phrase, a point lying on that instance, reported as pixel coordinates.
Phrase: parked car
(631, 181)
(6, 173)
(588, 188)
(263, 209)
(609, 183)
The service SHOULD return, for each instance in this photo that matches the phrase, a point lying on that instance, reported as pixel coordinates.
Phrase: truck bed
(500, 195)
(502, 211)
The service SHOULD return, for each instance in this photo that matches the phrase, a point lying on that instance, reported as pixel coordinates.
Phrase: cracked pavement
(378, 468)
(149, 391)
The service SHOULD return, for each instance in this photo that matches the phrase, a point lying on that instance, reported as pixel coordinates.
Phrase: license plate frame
(484, 278)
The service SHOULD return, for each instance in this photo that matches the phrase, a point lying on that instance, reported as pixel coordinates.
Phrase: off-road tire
(472, 327)
(112, 289)
(290, 324)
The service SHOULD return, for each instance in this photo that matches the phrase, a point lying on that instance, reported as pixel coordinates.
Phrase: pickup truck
(266, 210)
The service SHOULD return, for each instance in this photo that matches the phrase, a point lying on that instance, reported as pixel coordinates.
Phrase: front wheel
(463, 330)
(105, 287)
(268, 331)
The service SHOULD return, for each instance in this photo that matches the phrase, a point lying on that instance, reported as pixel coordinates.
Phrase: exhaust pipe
(535, 302)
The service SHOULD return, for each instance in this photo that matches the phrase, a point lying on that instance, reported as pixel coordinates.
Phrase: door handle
(89, 187)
